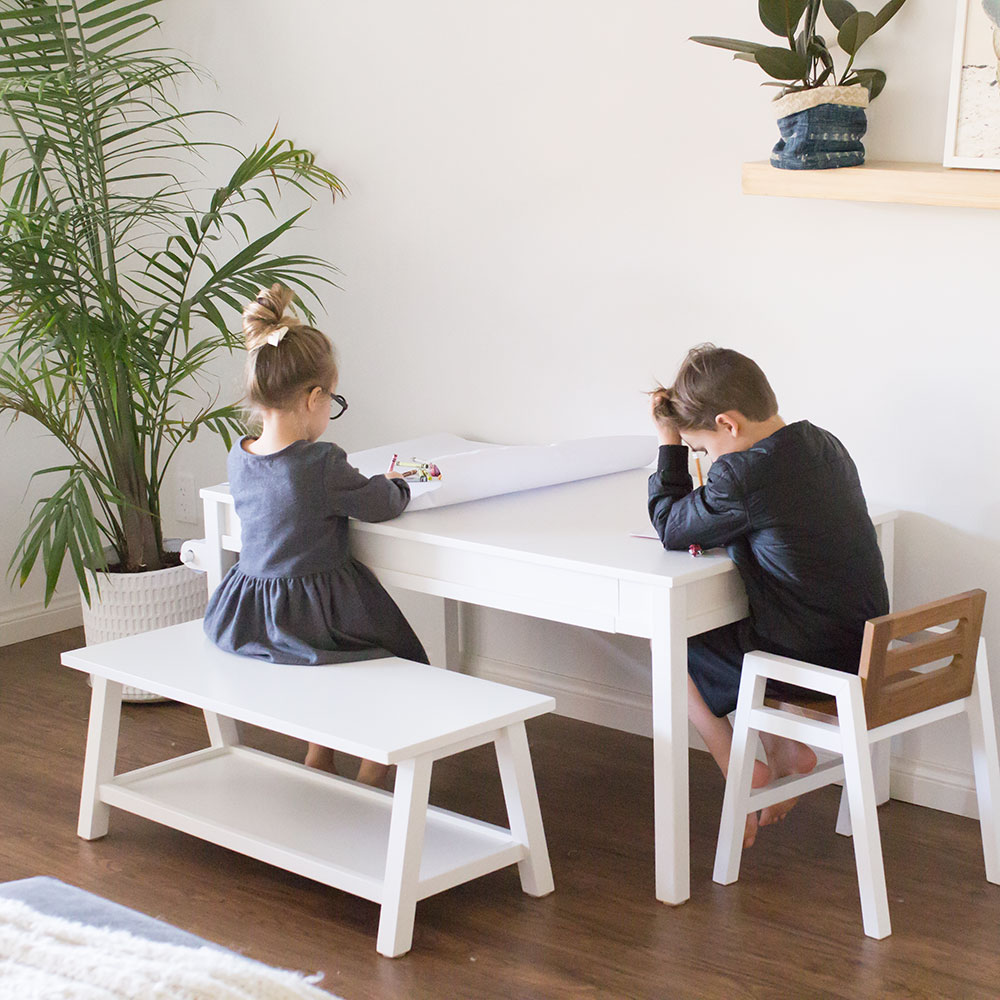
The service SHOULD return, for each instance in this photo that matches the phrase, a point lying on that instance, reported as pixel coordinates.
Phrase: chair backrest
(894, 686)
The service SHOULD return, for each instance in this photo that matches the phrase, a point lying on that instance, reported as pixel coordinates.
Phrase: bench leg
(523, 814)
(99, 763)
(222, 731)
(402, 864)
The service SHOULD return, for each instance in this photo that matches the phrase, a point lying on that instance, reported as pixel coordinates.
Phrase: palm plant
(114, 283)
(805, 62)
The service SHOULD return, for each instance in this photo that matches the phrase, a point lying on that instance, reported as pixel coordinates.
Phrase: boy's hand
(666, 429)
(394, 475)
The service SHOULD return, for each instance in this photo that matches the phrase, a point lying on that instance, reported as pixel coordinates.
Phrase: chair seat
(811, 704)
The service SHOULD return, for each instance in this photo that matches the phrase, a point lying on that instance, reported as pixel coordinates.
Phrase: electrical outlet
(187, 509)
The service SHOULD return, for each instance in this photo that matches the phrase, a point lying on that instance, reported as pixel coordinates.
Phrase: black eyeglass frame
(336, 398)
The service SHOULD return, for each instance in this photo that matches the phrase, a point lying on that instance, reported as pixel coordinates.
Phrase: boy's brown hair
(714, 380)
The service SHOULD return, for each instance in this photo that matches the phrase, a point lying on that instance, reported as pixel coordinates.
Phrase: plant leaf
(782, 17)
(733, 44)
(855, 31)
(887, 13)
(873, 79)
(838, 11)
(782, 64)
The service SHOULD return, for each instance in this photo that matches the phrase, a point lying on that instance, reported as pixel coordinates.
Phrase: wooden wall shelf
(881, 181)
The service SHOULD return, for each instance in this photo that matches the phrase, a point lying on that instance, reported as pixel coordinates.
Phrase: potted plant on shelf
(821, 116)
(114, 288)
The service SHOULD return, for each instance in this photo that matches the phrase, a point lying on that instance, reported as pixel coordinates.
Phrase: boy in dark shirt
(786, 502)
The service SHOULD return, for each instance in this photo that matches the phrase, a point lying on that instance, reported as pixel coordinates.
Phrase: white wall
(545, 213)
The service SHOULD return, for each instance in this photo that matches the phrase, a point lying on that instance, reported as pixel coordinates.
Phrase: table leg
(402, 865)
(99, 763)
(670, 747)
(452, 635)
(886, 534)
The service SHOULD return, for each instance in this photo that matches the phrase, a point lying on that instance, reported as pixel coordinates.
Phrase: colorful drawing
(416, 471)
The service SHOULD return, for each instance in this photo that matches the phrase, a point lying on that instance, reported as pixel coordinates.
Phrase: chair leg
(859, 782)
(736, 801)
(844, 814)
(986, 765)
(406, 848)
(880, 770)
(523, 814)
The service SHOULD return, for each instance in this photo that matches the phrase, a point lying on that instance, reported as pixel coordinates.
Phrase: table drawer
(711, 602)
(573, 597)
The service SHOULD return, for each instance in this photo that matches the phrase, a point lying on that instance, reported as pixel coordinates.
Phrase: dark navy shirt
(791, 514)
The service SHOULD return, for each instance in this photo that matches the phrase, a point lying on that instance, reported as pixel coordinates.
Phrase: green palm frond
(118, 282)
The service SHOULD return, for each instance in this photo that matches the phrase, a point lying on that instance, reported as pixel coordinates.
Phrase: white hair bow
(275, 336)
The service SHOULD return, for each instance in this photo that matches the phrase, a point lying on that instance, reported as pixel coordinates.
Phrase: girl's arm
(710, 517)
(352, 494)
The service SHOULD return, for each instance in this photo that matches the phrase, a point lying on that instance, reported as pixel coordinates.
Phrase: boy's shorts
(715, 663)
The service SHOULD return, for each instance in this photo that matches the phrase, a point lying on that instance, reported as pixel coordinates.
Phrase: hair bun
(266, 314)
(663, 403)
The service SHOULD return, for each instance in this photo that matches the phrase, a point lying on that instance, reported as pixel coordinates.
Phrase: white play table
(565, 554)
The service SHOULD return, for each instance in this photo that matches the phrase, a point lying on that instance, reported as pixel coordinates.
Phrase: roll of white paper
(472, 470)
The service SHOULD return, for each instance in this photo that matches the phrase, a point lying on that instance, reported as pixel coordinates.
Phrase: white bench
(393, 849)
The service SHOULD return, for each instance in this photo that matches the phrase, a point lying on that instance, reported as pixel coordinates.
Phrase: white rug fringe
(48, 958)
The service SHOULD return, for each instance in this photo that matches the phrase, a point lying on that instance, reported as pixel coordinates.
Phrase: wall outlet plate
(187, 501)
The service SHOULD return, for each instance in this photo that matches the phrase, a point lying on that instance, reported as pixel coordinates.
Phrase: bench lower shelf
(318, 825)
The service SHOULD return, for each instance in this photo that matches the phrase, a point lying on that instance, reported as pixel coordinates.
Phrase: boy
(786, 502)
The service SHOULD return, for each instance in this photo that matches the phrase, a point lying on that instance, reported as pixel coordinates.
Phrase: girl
(296, 595)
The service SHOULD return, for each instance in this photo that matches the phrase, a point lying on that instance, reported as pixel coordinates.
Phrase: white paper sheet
(472, 470)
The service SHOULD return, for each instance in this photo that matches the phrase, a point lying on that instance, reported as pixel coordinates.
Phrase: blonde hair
(284, 356)
(713, 380)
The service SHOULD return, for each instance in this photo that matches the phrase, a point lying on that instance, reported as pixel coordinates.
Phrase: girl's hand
(394, 475)
(659, 408)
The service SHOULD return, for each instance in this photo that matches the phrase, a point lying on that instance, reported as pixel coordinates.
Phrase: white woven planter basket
(855, 96)
(129, 603)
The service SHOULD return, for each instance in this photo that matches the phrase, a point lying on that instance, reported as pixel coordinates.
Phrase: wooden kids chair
(914, 670)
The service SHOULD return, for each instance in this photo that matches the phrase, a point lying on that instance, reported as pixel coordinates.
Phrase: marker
(697, 465)
(392, 464)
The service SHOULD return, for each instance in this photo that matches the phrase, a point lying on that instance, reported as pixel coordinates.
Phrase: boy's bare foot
(784, 757)
(761, 777)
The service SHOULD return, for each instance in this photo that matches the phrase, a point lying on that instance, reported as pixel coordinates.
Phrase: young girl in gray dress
(296, 595)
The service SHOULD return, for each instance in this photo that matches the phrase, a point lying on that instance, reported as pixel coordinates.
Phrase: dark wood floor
(791, 927)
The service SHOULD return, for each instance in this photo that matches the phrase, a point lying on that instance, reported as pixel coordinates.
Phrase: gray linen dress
(296, 595)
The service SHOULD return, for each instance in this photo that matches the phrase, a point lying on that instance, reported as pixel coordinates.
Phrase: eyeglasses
(335, 399)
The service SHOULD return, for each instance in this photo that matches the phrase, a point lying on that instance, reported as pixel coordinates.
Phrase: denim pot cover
(828, 135)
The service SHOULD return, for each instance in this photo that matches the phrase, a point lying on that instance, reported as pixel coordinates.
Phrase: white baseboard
(916, 781)
(31, 621)
(946, 788)
(575, 698)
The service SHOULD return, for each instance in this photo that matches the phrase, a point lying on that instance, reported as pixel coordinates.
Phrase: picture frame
(972, 140)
